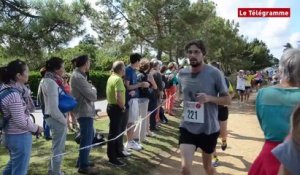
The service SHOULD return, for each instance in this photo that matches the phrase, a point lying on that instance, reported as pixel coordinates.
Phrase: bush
(98, 79)
(34, 81)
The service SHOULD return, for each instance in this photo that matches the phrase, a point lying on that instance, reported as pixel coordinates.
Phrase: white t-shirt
(240, 83)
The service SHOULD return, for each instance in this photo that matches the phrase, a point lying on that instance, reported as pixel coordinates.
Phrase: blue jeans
(46, 129)
(19, 146)
(87, 135)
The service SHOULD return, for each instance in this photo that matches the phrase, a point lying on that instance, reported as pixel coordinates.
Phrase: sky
(275, 32)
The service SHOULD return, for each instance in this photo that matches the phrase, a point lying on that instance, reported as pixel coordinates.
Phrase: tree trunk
(159, 53)
(170, 54)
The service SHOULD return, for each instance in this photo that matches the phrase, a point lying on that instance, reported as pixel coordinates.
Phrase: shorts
(247, 88)
(258, 82)
(223, 113)
(206, 142)
(134, 107)
(240, 92)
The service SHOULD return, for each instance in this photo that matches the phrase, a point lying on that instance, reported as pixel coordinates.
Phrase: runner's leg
(207, 163)
(187, 155)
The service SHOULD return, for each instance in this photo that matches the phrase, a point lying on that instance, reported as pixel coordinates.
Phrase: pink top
(15, 108)
(67, 88)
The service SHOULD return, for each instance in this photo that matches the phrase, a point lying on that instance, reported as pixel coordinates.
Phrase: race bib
(193, 112)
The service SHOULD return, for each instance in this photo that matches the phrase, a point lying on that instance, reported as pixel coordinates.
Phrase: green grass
(140, 163)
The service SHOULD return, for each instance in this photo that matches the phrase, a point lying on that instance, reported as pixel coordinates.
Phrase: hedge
(98, 79)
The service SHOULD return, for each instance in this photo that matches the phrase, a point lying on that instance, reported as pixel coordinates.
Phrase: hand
(39, 131)
(145, 84)
(202, 98)
(150, 77)
(171, 76)
(132, 93)
(161, 94)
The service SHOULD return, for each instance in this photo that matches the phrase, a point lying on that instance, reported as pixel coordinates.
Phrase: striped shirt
(14, 107)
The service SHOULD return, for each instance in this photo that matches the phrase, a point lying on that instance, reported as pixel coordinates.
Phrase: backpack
(168, 82)
(98, 138)
(144, 92)
(3, 121)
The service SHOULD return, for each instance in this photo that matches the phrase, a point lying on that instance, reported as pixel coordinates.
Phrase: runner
(248, 80)
(240, 85)
(258, 80)
(200, 86)
(222, 117)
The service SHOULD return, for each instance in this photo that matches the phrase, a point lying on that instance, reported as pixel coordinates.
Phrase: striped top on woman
(15, 108)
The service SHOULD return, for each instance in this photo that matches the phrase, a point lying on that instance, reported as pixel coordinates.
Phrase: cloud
(295, 39)
(273, 31)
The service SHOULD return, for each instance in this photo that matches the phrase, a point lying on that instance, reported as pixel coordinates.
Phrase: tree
(29, 29)
(287, 46)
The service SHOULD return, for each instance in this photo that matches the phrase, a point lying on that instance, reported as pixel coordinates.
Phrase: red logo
(264, 12)
(198, 105)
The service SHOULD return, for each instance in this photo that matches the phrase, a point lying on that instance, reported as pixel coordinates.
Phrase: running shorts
(206, 142)
(223, 113)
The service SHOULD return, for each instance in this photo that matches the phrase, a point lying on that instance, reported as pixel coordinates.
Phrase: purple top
(14, 107)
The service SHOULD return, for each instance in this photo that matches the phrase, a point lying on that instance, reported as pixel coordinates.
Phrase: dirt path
(245, 140)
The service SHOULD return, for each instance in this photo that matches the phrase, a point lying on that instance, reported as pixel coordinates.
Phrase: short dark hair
(135, 57)
(54, 63)
(198, 43)
(81, 60)
(9, 72)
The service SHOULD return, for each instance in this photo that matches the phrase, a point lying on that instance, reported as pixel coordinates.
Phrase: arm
(159, 82)
(179, 90)
(132, 87)
(179, 94)
(223, 100)
(224, 97)
(119, 93)
(18, 116)
(86, 89)
(52, 97)
(152, 81)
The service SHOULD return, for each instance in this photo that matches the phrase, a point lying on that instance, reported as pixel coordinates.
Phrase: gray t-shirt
(288, 153)
(210, 81)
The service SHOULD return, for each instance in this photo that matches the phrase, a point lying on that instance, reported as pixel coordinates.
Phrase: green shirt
(114, 83)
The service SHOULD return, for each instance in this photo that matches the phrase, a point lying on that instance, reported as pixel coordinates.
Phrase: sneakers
(224, 145)
(151, 134)
(126, 153)
(116, 162)
(133, 145)
(88, 170)
(215, 161)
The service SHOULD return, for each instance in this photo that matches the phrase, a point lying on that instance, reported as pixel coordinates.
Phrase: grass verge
(140, 163)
